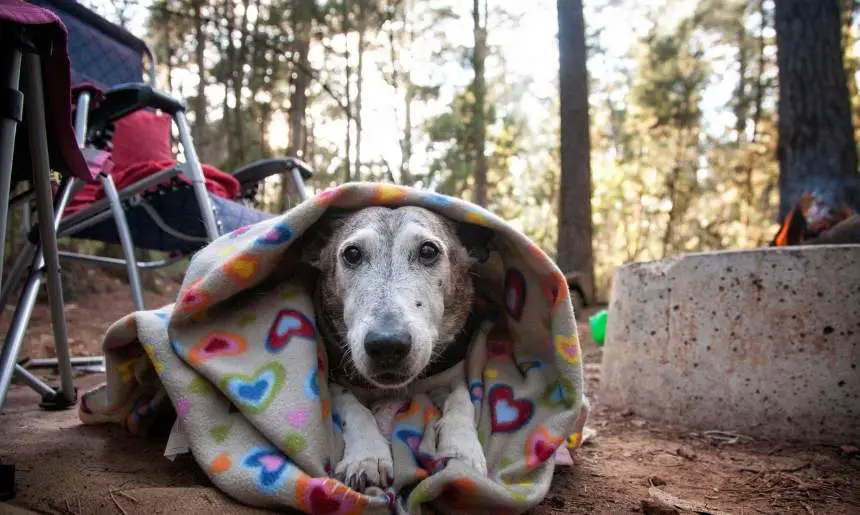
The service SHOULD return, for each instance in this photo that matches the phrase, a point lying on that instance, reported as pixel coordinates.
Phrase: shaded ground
(64, 467)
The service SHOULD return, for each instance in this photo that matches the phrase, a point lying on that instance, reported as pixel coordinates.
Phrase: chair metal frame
(45, 265)
(24, 77)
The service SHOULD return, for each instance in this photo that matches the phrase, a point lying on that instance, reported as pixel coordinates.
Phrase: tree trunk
(479, 90)
(817, 151)
(574, 211)
(302, 20)
(347, 169)
(199, 51)
(362, 43)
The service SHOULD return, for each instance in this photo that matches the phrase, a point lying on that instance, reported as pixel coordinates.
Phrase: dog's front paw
(363, 471)
(458, 440)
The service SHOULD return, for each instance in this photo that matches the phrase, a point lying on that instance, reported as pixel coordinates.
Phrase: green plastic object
(598, 326)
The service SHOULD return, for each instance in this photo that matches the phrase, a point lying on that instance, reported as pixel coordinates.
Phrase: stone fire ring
(764, 343)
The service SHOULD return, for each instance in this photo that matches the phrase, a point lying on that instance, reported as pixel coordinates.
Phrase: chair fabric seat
(177, 207)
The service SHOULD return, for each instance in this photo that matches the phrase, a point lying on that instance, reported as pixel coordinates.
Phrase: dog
(394, 302)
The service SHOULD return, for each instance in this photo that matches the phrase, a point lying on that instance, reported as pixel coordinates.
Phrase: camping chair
(168, 209)
(35, 97)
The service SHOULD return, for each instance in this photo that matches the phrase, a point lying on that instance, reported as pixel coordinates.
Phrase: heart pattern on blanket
(412, 437)
(217, 343)
(272, 467)
(568, 348)
(541, 444)
(389, 194)
(312, 385)
(327, 196)
(255, 393)
(559, 393)
(242, 268)
(193, 299)
(515, 293)
(526, 366)
(327, 496)
(555, 289)
(277, 235)
(507, 413)
(476, 391)
(288, 323)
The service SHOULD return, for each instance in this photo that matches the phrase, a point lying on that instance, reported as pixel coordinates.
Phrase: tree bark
(479, 90)
(347, 169)
(199, 127)
(302, 21)
(817, 151)
(359, 89)
(574, 211)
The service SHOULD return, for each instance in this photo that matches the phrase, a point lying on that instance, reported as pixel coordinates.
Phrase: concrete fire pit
(763, 342)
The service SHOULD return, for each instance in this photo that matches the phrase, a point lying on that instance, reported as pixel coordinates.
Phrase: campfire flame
(808, 219)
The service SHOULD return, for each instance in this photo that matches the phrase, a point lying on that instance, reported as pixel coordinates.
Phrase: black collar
(457, 350)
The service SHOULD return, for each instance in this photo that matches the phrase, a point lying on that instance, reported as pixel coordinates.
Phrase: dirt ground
(630, 466)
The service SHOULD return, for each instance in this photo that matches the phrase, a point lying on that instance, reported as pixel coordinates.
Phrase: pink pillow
(143, 136)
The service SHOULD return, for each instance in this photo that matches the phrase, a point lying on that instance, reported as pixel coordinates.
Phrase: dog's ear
(477, 240)
(318, 235)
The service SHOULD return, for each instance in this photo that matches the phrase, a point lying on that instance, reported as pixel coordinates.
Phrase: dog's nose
(386, 347)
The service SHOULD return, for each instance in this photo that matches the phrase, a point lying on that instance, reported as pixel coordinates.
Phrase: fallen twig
(118, 505)
(127, 496)
(682, 504)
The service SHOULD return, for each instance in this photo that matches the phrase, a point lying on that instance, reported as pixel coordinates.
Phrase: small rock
(628, 412)
(655, 481)
(686, 452)
(638, 422)
(849, 450)
(652, 507)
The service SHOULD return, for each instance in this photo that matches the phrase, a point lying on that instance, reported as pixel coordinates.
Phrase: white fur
(367, 459)
(456, 433)
(395, 284)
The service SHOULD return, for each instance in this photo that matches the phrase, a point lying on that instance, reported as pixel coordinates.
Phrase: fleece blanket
(238, 359)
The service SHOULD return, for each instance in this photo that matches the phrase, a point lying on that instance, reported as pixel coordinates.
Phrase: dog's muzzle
(388, 348)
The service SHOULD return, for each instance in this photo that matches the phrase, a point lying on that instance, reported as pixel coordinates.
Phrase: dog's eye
(428, 253)
(352, 255)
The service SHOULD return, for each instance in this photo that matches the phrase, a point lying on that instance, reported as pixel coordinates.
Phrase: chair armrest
(259, 170)
(125, 99)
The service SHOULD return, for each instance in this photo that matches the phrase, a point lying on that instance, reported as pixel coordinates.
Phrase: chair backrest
(101, 53)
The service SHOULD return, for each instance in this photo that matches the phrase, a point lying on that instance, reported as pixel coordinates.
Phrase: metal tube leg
(81, 118)
(15, 335)
(8, 128)
(33, 381)
(34, 109)
(198, 181)
(125, 240)
(17, 274)
(299, 183)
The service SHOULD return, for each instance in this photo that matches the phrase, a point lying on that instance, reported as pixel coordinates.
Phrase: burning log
(812, 222)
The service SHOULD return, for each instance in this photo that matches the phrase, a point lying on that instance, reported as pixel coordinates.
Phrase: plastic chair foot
(57, 401)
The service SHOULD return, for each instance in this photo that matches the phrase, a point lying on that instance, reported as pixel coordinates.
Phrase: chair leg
(15, 334)
(126, 241)
(198, 180)
(299, 184)
(48, 221)
(17, 274)
(8, 128)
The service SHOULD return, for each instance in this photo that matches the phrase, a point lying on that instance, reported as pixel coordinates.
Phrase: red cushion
(140, 137)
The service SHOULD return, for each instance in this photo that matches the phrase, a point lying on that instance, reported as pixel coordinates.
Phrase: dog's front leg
(367, 459)
(456, 432)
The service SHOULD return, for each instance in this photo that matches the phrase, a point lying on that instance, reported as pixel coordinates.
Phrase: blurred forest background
(463, 97)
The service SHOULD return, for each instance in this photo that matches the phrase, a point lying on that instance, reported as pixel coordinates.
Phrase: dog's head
(395, 286)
